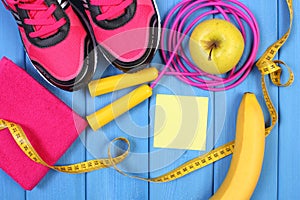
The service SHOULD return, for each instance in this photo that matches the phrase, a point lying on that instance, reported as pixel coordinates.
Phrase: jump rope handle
(125, 103)
(118, 82)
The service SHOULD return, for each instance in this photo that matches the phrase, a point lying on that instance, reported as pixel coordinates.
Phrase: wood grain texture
(280, 175)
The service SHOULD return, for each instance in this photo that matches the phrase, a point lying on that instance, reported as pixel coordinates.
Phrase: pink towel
(49, 124)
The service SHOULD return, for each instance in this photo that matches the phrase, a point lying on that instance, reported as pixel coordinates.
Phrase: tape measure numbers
(25, 145)
(266, 66)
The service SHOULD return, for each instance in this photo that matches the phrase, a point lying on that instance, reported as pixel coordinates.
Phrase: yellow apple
(216, 46)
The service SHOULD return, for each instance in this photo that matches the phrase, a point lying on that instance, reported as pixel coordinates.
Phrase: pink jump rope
(181, 66)
(177, 61)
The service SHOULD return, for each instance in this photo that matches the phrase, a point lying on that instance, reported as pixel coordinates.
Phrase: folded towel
(50, 125)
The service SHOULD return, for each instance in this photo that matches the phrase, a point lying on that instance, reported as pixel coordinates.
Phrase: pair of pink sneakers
(61, 39)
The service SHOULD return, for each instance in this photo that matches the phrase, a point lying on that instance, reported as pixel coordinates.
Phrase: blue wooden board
(280, 175)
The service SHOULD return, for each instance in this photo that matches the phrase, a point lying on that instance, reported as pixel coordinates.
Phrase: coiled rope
(175, 30)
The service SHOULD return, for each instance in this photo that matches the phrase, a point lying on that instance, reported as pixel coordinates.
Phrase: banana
(247, 158)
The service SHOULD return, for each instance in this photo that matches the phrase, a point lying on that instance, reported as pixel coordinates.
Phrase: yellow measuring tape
(25, 145)
(266, 65)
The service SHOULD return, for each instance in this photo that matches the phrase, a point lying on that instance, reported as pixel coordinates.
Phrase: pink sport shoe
(57, 42)
(127, 31)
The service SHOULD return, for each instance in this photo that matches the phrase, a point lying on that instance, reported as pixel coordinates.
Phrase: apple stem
(214, 45)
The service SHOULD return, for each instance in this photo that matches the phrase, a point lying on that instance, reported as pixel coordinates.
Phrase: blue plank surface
(289, 161)
(280, 174)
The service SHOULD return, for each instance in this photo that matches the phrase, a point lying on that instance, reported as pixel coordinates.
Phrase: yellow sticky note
(180, 122)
